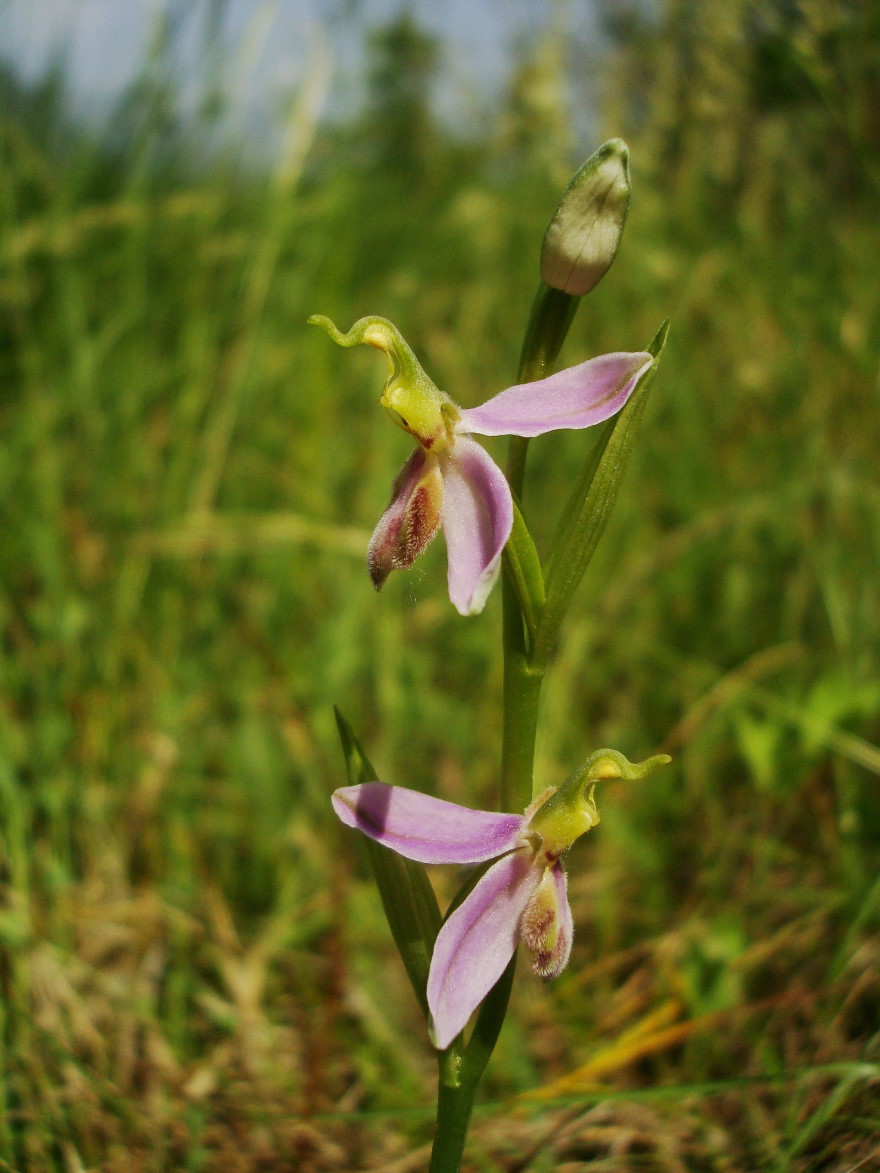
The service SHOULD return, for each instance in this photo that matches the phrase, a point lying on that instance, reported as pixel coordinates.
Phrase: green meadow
(195, 972)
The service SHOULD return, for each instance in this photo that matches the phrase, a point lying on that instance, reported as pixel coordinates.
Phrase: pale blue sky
(271, 42)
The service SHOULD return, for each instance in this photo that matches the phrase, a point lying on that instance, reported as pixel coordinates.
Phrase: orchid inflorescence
(516, 888)
(522, 895)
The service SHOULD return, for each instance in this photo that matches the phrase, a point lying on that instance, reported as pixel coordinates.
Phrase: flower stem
(522, 694)
(455, 1103)
(460, 1071)
(551, 316)
(552, 312)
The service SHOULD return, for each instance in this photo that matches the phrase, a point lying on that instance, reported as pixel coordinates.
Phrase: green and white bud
(583, 236)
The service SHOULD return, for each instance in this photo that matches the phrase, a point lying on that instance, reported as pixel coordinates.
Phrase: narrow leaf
(589, 506)
(408, 899)
(523, 567)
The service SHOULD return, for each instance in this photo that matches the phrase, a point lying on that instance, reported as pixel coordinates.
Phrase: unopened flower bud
(582, 239)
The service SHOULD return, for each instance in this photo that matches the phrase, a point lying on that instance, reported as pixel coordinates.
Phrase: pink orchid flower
(450, 481)
(522, 896)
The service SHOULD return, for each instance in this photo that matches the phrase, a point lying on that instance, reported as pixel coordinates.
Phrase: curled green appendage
(571, 810)
(381, 334)
(330, 328)
(608, 763)
(410, 397)
(370, 331)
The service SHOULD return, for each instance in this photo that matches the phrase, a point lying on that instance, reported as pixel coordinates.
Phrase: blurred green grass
(194, 970)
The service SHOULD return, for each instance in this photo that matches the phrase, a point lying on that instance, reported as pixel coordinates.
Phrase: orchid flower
(522, 896)
(450, 481)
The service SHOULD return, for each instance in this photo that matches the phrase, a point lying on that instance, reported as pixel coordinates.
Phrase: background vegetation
(194, 969)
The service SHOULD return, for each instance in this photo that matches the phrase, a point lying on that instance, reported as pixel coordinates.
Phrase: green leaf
(523, 567)
(589, 506)
(408, 899)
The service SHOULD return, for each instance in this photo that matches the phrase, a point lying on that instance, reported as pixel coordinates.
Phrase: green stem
(455, 1103)
(522, 694)
(460, 1071)
(552, 312)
